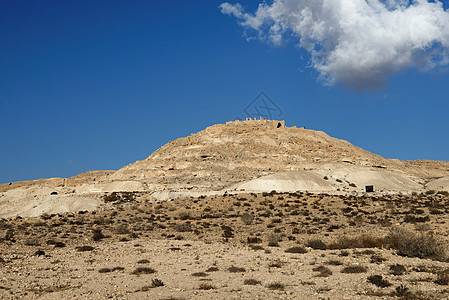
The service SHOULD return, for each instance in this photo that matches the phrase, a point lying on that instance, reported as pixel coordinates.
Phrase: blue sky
(96, 85)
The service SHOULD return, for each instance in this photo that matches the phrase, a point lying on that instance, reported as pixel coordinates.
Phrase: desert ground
(243, 246)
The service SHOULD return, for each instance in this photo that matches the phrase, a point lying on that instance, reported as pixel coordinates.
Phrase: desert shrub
(113, 197)
(32, 242)
(251, 281)
(363, 241)
(102, 221)
(183, 227)
(228, 232)
(143, 261)
(273, 240)
(206, 286)
(416, 219)
(247, 218)
(422, 245)
(275, 264)
(37, 253)
(378, 281)
(354, 269)
(122, 229)
(443, 278)
(234, 269)
(212, 269)
(377, 258)
(316, 244)
(397, 269)
(253, 240)
(107, 270)
(296, 249)
(143, 270)
(323, 271)
(184, 215)
(256, 247)
(104, 270)
(276, 221)
(156, 282)
(9, 235)
(199, 274)
(334, 262)
(276, 286)
(97, 234)
(84, 248)
(402, 291)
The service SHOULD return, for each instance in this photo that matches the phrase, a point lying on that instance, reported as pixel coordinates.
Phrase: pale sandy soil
(188, 245)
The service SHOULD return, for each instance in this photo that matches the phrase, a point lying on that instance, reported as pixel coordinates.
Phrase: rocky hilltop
(239, 156)
(225, 154)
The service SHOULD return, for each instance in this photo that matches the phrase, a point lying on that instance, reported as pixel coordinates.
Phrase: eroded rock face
(226, 154)
(231, 157)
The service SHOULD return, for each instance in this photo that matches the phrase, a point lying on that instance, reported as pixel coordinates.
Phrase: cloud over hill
(358, 43)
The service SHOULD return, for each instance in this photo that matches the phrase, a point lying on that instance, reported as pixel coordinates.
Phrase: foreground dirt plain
(245, 246)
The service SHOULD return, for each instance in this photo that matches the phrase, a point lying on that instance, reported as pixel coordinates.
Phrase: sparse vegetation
(143, 270)
(442, 278)
(276, 286)
(84, 248)
(354, 269)
(206, 286)
(234, 269)
(316, 244)
(302, 224)
(397, 269)
(296, 249)
(323, 271)
(422, 245)
(273, 240)
(199, 274)
(251, 281)
(379, 281)
(247, 219)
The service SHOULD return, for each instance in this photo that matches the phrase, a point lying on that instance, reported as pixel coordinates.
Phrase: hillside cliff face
(225, 154)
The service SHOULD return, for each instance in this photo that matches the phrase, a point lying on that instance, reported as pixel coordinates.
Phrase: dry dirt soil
(245, 246)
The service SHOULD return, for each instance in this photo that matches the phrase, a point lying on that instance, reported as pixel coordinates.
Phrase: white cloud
(359, 43)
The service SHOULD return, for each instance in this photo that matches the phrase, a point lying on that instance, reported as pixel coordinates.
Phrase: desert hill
(226, 154)
(239, 156)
